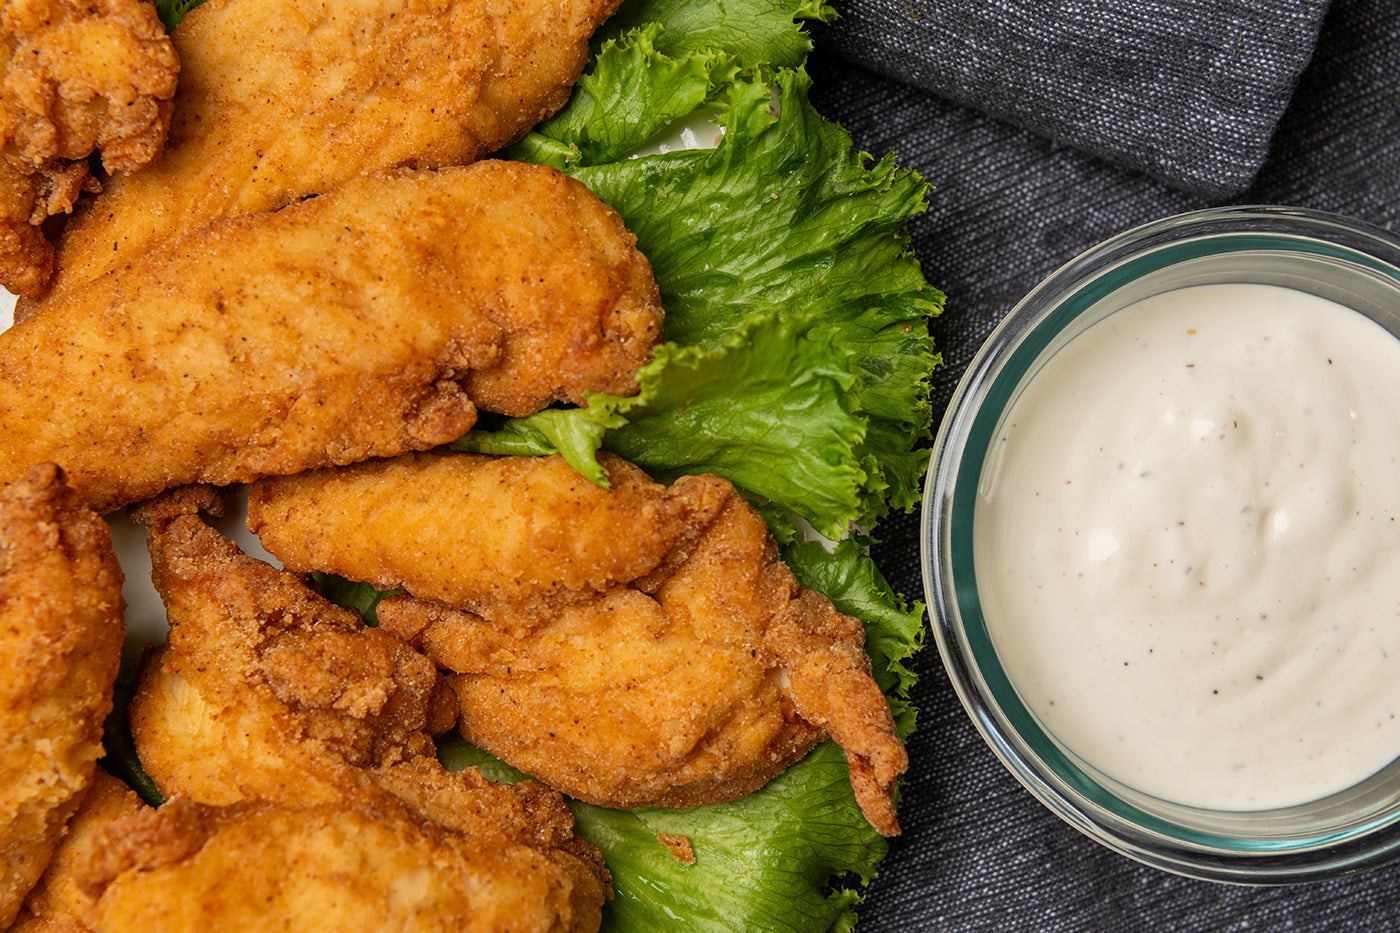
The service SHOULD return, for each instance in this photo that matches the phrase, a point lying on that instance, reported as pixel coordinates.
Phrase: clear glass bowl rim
(1234, 857)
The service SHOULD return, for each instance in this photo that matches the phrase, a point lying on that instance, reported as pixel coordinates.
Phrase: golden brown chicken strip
(79, 76)
(366, 322)
(61, 631)
(371, 865)
(368, 866)
(58, 904)
(491, 533)
(696, 679)
(264, 690)
(282, 99)
(268, 693)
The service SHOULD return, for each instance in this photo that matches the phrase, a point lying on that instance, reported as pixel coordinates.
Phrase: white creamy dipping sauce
(1187, 546)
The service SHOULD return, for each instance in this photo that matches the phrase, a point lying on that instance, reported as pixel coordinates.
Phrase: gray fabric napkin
(1187, 91)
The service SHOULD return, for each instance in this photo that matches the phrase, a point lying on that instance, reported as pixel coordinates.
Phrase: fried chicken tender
(271, 701)
(79, 77)
(516, 537)
(370, 866)
(638, 646)
(281, 99)
(362, 323)
(58, 903)
(264, 690)
(61, 631)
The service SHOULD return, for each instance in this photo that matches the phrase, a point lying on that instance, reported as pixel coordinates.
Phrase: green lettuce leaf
(793, 412)
(171, 12)
(757, 33)
(361, 597)
(119, 757)
(573, 433)
(662, 61)
(632, 93)
(784, 221)
(761, 862)
(803, 378)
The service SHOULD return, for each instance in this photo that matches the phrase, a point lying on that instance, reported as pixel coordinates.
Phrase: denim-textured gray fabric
(1188, 91)
(978, 852)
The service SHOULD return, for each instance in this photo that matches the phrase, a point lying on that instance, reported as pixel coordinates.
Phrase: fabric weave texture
(1188, 91)
(1011, 203)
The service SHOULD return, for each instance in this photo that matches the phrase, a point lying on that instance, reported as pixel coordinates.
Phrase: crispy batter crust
(264, 690)
(639, 646)
(79, 76)
(58, 903)
(366, 866)
(491, 533)
(61, 631)
(307, 739)
(362, 323)
(357, 86)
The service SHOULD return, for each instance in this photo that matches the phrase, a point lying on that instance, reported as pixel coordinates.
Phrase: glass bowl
(1330, 256)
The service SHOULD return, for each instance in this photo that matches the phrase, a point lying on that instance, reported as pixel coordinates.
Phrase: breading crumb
(680, 847)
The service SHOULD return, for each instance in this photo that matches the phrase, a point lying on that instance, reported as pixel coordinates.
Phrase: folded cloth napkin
(1187, 91)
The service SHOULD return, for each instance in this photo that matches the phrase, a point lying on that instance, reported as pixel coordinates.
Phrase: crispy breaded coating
(58, 904)
(362, 323)
(279, 100)
(368, 866)
(79, 77)
(696, 680)
(268, 694)
(497, 533)
(263, 689)
(61, 631)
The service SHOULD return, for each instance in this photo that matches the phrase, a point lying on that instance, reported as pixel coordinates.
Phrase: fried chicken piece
(366, 322)
(280, 100)
(558, 541)
(58, 904)
(369, 866)
(79, 77)
(264, 690)
(266, 694)
(61, 631)
(690, 669)
(254, 866)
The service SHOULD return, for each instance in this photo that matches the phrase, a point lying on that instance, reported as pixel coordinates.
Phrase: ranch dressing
(1187, 542)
